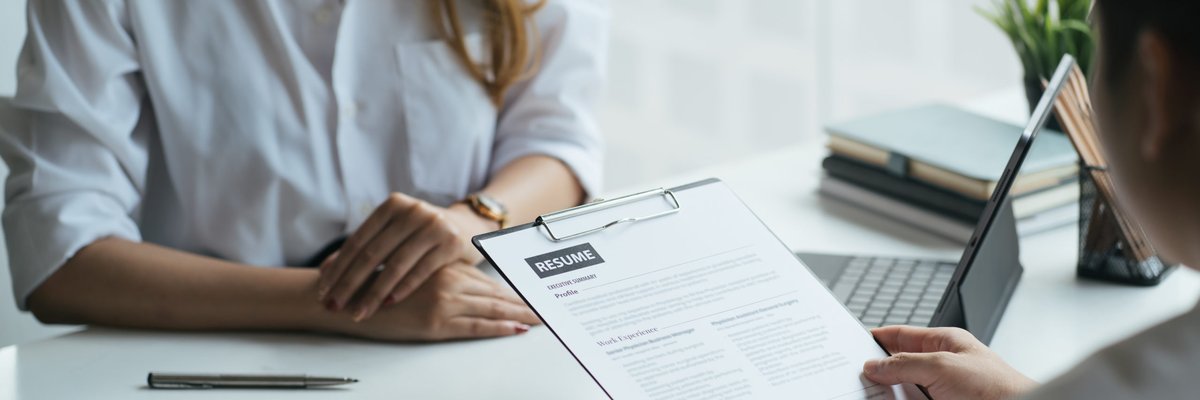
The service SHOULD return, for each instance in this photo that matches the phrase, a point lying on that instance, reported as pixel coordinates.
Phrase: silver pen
(158, 380)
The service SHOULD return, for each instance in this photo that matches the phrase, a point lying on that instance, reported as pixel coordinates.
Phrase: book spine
(917, 193)
(949, 228)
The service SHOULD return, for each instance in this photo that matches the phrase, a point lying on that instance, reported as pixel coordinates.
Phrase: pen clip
(180, 385)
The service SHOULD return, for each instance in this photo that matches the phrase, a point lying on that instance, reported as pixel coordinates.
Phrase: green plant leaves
(1041, 34)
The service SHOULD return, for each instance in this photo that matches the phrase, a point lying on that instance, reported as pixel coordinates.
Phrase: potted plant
(1041, 34)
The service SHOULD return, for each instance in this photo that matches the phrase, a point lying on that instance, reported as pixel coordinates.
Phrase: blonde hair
(513, 53)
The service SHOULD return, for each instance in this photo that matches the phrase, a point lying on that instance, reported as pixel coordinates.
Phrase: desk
(1053, 321)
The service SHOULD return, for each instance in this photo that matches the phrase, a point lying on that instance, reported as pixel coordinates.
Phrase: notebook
(951, 148)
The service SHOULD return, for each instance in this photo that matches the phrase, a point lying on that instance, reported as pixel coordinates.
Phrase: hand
(457, 302)
(949, 362)
(406, 239)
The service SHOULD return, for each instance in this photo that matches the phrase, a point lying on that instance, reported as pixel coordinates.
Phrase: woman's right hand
(400, 244)
(456, 302)
(949, 362)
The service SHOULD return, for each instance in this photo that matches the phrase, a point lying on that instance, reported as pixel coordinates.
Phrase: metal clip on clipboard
(546, 219)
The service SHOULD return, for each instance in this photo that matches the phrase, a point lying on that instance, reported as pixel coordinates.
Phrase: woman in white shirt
(163, 153)
(1147, 101)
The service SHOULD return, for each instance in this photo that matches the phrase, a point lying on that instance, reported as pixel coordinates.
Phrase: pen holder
(1103, 248)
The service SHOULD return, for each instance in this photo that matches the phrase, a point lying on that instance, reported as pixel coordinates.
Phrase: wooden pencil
(1073, 107)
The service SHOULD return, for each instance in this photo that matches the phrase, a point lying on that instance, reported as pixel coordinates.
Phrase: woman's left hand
(406, 240)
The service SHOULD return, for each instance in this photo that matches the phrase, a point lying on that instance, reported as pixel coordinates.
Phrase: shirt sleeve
(553, 112)
(1158, 363)
(70, 138)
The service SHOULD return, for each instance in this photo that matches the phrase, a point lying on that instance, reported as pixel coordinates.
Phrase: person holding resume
(169, 159)
(1147, 102)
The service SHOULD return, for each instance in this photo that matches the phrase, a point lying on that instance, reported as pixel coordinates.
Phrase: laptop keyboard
(892, 291)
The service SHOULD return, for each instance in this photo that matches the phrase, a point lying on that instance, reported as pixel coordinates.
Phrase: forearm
(534, 185)
(121, 283)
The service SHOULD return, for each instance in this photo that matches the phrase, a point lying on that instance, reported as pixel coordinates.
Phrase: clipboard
(682, 293)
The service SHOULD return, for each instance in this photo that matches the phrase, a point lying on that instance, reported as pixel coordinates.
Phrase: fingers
(919, 368)
(362, 265)
(322, 270)
(475, 327)
(911, 339)
(398, 273)
(497, 309)
(328, 262)
(378, 294)
(436, 248)
(359, 257)
(370, 227)
(919, 355)
(331, 274)
(479, 284)
(433, 246)
(490, 287)
(482, 288)
(507, 294)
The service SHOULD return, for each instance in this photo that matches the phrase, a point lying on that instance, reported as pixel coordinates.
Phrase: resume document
(705, 303)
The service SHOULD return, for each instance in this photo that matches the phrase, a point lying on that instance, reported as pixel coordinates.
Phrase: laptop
(971, 293)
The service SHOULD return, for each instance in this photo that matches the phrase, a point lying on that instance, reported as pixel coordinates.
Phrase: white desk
(1053, 321)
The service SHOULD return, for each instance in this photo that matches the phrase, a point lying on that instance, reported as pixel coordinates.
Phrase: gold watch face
(491, 205)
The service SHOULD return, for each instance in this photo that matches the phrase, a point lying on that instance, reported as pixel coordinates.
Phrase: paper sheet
(704, 303)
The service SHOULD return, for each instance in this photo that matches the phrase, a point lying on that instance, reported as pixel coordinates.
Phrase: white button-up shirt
(260, 131)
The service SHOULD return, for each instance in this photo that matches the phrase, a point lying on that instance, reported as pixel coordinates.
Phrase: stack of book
(934, 167)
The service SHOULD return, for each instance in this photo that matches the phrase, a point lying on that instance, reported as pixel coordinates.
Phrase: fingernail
(391, 299)
(520, 328)
(871, 367)
(331, 305)
(360, 315)
(322, 291)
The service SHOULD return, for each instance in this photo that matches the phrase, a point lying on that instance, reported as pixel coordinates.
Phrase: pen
(158, 380)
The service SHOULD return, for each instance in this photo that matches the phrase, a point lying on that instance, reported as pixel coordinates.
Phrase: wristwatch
(489, 208)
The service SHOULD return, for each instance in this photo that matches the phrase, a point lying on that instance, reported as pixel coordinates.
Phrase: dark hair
(1121, 21)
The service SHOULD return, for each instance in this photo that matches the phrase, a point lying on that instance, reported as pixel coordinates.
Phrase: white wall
(12, 32)
(697, 82)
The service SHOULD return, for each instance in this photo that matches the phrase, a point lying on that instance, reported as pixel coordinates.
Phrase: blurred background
(699, 82)
(695, 82)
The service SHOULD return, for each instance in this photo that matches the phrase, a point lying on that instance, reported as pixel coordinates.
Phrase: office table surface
(1053, 321)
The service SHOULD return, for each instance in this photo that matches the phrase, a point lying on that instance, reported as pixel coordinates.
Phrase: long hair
(512, 53)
